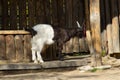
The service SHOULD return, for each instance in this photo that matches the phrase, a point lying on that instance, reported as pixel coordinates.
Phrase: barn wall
(18, 14)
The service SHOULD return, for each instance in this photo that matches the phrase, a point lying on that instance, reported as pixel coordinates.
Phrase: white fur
(45, 34)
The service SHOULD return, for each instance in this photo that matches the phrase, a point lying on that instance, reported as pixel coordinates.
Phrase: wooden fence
(15, 15)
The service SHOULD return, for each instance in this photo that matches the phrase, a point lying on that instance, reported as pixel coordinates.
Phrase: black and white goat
(47, 35)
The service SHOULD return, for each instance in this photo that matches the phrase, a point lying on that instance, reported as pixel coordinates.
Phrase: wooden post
(108, 26)
(95, 27)
(115, 26)
(88, 32)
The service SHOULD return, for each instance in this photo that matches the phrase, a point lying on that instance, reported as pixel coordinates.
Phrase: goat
(47, 35)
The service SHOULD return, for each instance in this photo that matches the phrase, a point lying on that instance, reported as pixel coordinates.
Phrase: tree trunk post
(96, 31)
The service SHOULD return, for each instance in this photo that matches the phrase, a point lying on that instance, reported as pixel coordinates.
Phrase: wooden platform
(49, 64)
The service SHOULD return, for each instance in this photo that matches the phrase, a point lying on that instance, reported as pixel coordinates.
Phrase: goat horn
(78, 24)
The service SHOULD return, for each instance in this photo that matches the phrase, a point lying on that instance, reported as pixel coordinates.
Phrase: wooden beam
(3, 32)
(46, 65)
(96, 31)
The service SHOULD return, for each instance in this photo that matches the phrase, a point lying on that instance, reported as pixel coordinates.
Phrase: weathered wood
(22, 14)
(27, 48)
(119, 10)
(68, 7)
(4, 14)
(3, 32)
(40, 13)
(103, 25)
(69, 46)
(47, 11)
(46, 65)
(19, 48)
(76, 44)
(82, 45)
(54, 12)
(13, 14)
(31, 11)
(2, 47)
(95, 27)
(10, 48)
(88, 32)
(109, 27)
(115, 26)
(61, 13)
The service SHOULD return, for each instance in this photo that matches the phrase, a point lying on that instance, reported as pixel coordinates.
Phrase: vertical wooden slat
(22, 14)
(75, 16)
(103, 25)
(40, 12)
(2, 47)
(0, 14)
(54, 13)
(47, 7)
(115, 26)
(13, 14)
(75, 44)
(31, 13)
(68, 7)
(27, 48)
(81, 12)
(10, 48)
(81, 19)
(61, 13)
(4, 14)
(19, 48)
(109, 26)
(119, 10)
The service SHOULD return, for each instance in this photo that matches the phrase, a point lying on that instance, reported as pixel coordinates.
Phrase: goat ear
(78, 24)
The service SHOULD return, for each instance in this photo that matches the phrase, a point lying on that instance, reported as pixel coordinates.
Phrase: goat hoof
(36, 61)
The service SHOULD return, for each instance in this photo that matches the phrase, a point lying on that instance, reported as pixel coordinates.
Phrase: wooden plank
(68, 8)
(22, 14)
(115, 26)
(75, 16)
(31, 11)
(13, 14)
(88, 32)
(61, 13)
(10, 48)
(103, 24)
(95, 27)
(27, 48)
(40, 12)
(46, 65)
(3, 32)
(54, 13)
(76, 44)
(108, 26)
(81, 12)
(5, 14)
(19, 48)
(69, 46)
(47, 8)
(119, 10)
(2, 47)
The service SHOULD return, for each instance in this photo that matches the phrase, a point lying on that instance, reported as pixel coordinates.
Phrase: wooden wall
(18, 14)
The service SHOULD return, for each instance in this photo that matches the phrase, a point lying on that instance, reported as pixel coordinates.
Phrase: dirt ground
(66, 73)
(62, 74)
